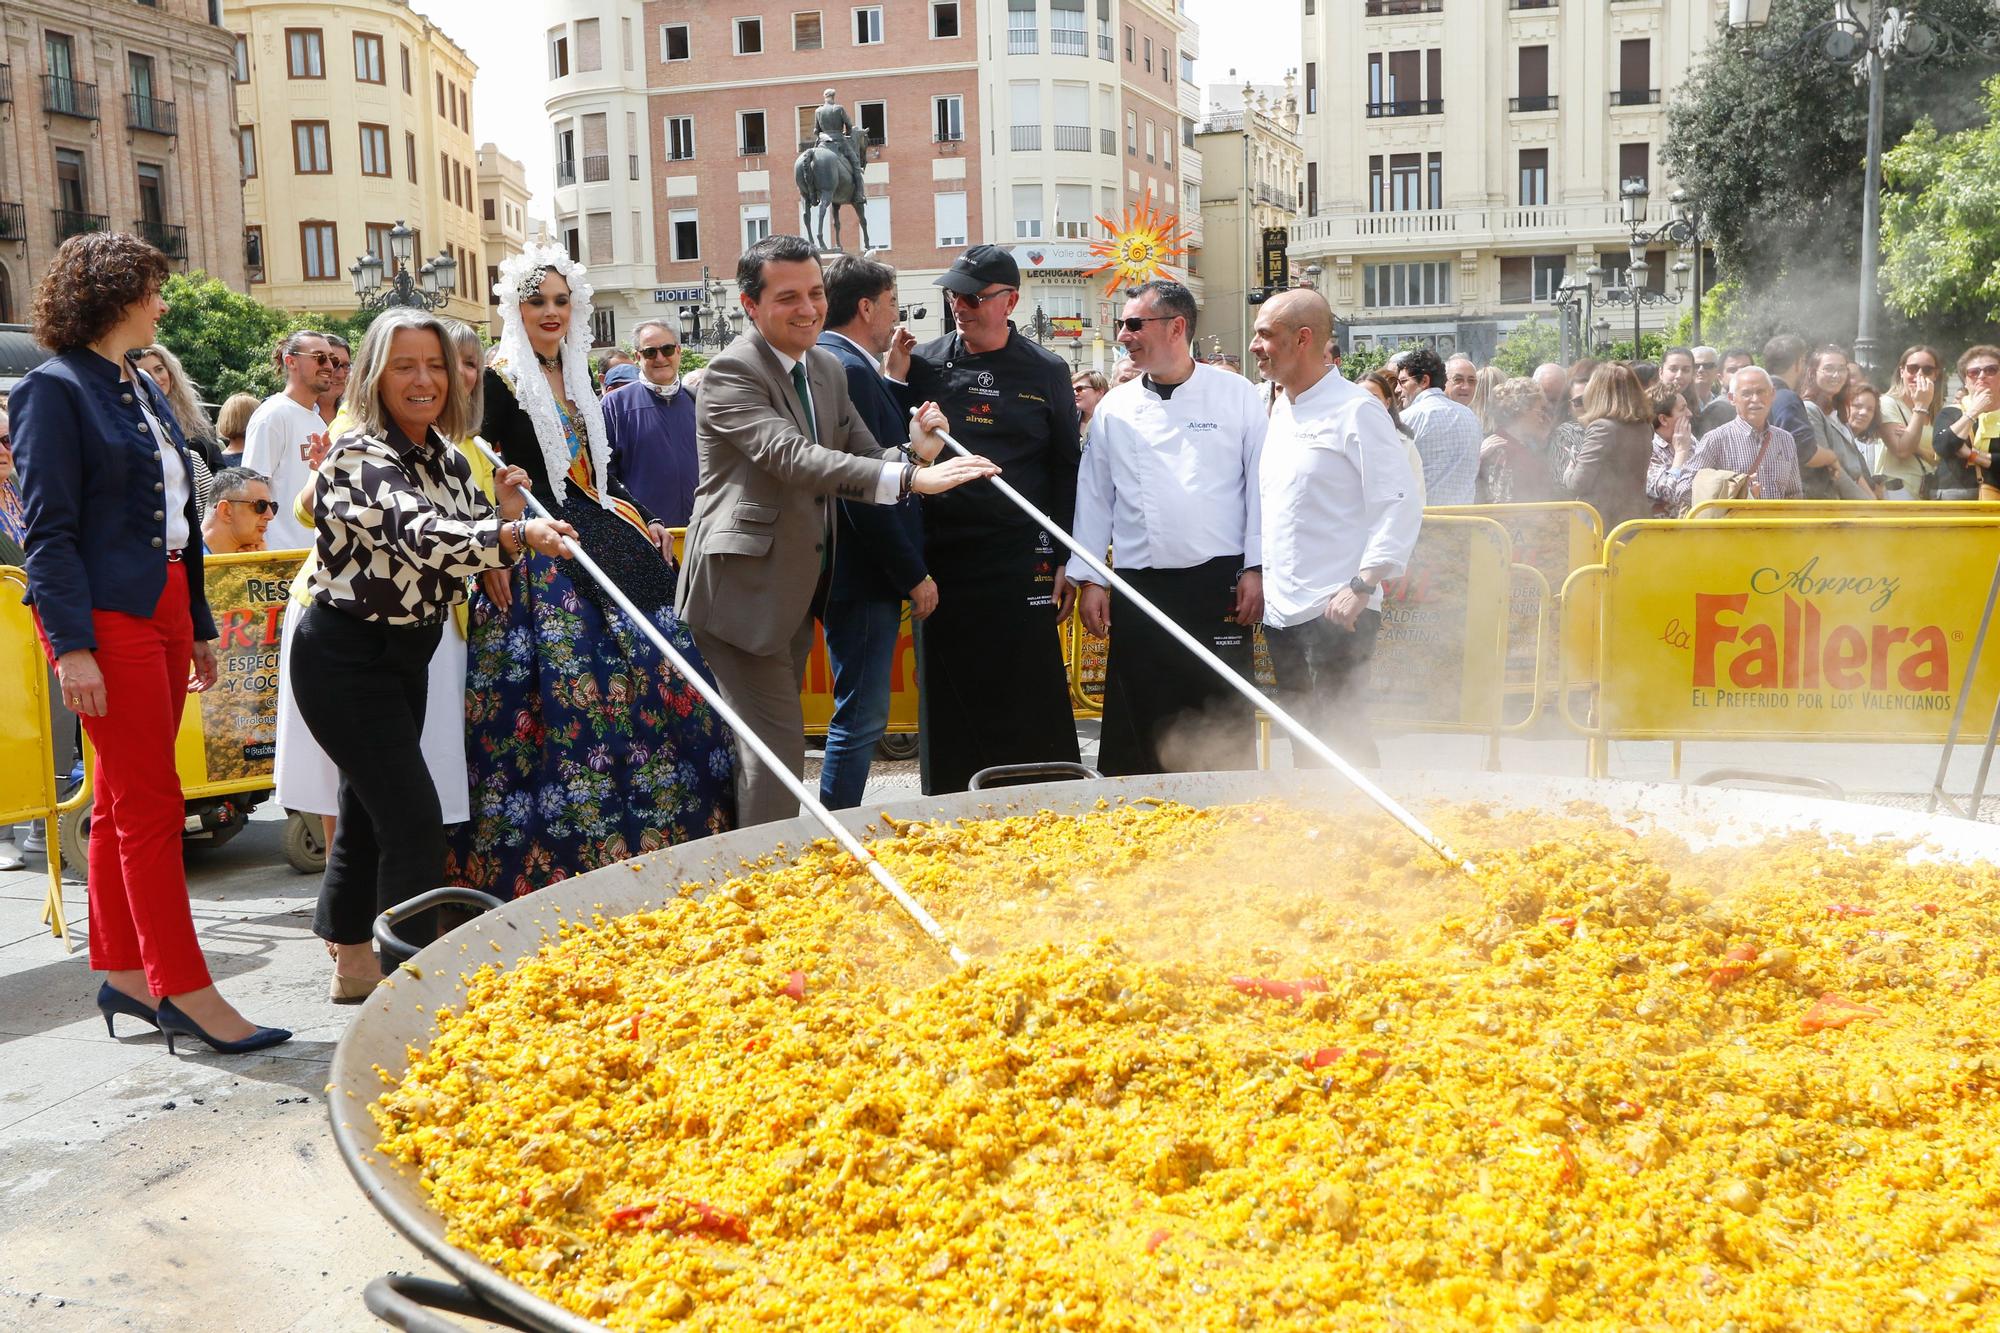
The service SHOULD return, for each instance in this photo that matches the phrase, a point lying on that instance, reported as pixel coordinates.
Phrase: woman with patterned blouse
(400, 525)
(583, 746)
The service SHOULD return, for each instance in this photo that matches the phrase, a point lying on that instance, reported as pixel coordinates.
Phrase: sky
(1257, 38)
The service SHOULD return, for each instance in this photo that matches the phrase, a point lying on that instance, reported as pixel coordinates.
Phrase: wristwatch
(1362, 587)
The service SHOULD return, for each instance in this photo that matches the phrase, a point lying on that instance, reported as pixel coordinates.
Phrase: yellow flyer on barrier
(1796, 629)
(238, 717)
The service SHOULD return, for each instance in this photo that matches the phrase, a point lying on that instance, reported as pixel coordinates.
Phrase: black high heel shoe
(174, 1023)
(111, 1001)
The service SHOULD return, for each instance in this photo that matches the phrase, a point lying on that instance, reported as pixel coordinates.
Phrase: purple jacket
(652, 449)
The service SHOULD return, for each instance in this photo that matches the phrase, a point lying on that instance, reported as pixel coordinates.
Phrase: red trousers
(139, 914)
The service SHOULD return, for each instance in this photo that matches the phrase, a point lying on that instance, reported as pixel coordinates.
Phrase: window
(440, 88)
(1312, 189)
(152, 194)
(1022, 28)
(1390, 285)
(1068, 35)
(1131, 134)
(304, 59)
(492, 284)
(406, 70)
(1187, 68)
(684, 233)
(1634, 163)
(410, 156)
(72, 191)
(948, 119)
(311, 155)
(1530, 278)
(868, 29)
(1405, 189)
(1148, 44)
(1150, 154)
(949, 212)
(1635, 72)
(1434, 174)
(253, 253)
(1028, 211)
(749, 42)
(246, 150)
(806, 35)
(240, 71)
(375, 150)
(750, 133)
(1312, 86)
(573, 244)
(1024, 101)
(1072, 212)
(486, 209)
(756, 223)
(375, 241)
(944, 18)
(1128, 43)
(589, 46)
(1533, 65)
(320, 248)
(876, 210)
(558, 56)
(674, 42)
(680, 138)
(872, 120)
(368, 58)
(1534, 177)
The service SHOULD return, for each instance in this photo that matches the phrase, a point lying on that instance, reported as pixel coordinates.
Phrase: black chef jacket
(1015, 407)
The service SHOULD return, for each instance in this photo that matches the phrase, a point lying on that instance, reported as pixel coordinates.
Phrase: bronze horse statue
(826, 181)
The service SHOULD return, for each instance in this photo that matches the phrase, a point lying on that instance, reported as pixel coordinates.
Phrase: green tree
(1530, 344)
(225, 338)
(1940, 241)
(1772, 151)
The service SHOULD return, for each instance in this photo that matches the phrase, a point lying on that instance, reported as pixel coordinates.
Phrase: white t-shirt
(275, 445)
(1338, 498)
(1170, 482)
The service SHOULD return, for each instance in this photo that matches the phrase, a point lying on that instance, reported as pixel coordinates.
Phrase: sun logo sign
(1139, 246)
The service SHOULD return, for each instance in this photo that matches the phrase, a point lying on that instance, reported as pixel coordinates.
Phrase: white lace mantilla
(521, 276)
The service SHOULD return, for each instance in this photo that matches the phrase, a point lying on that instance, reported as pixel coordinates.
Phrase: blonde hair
(1614, 394)
(1483, 385)
(181, 398)
(364, 397)
(233, 422)
(1094, 378)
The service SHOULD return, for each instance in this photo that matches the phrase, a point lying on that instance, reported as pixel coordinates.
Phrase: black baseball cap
(979, 268)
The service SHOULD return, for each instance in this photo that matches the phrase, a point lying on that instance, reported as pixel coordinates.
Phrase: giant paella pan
(1233, 1053)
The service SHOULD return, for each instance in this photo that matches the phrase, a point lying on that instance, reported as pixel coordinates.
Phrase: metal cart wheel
(73, 829)
(897, 746)
(305, 843)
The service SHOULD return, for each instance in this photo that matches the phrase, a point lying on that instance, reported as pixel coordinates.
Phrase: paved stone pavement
(144, 1191)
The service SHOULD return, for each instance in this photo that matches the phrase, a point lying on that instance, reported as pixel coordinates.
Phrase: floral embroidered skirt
(583, 746)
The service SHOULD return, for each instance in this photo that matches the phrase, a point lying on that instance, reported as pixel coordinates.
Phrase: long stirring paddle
(1298, 732)
(911, 907)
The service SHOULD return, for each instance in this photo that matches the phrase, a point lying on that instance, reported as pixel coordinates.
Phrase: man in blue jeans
(878, 559)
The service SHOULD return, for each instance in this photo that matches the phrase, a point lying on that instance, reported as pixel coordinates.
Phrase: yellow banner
(1554, 539)
(27, 762)
(817, 696)
(1795, 629)
(229, 732)
(1441, 659)
(1747, 508)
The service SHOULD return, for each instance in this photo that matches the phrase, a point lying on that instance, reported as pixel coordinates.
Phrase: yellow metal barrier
(27, 746)
(1846, 509)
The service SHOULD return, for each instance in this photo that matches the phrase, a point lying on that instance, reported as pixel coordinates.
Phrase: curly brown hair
(93, 280)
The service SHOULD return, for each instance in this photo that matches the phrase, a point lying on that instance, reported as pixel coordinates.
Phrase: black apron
(1165, 710)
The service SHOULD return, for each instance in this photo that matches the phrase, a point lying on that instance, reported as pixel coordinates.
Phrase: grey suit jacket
(754, 542)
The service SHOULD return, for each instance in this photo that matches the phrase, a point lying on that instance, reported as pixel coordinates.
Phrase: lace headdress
(520, 277)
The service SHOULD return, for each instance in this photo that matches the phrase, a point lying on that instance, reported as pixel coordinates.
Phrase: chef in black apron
(992, 685)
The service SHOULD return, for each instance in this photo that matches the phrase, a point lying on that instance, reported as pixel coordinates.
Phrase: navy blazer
(879, 553)
(88, 469)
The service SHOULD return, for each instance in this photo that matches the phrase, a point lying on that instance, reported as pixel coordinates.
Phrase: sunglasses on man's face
(654, 353)
(973, 300)
(259, 507)
(322, 358)
(1704, 365)
(1134, 323)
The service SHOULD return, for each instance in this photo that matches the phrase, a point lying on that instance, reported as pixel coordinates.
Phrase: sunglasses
(322, 358)
(342, 365)
(1704, 365)
(973, 300)
(654, 353)
(258, 506)
(1915, 369)
(1134, 323)
(1981, 372)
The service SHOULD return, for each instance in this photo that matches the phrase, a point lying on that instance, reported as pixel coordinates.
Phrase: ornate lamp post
(1573, 300)
(1863, 36)
(1635, 293)
(713, 322)
(430, 289)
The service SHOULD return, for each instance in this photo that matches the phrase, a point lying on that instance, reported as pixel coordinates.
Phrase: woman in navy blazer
(114, 572)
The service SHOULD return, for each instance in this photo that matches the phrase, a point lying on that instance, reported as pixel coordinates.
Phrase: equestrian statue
(830, 173)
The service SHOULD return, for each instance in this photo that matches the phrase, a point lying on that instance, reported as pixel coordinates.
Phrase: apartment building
(1464, 156)
(116, 116)
(1255, 187)
(503, 221)
(352, 117)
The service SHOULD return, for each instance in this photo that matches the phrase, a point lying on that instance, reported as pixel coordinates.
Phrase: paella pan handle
(404, 1301)
(398, 950)
(1013, 775)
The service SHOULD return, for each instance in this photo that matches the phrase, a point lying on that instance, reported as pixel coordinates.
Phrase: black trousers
(1165, 711)
(361, 687)
(1323, 681)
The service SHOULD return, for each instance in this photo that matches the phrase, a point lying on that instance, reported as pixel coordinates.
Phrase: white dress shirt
(1338, 498)
(275, 446)
(174, 473)
(1170, 482)
(889, 486)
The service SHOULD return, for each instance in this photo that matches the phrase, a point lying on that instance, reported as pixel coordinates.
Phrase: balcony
(565, 173)
(1470, 228)
(1104, 47)
(168, 239)
(1064, 42)
(1021, 42)
(1546, 102)
(1070, 138)
(67, 97)
(1025, 138)
(1635, 97)
(1376, 9)
(1107, 142)
(70, 223)
(756, 149)
(13, 222)
(150, 113)
(1531, 4)
(1433, 107)
(597, 167)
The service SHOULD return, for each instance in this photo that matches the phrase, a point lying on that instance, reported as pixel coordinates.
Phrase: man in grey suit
(776, 436)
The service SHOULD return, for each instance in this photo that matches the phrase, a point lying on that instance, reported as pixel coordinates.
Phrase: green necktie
(805, 398)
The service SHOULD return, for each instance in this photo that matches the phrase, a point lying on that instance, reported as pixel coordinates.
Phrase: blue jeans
(861, 646)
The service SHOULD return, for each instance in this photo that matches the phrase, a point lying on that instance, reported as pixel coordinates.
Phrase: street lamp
(430, 290)
(714, 320)
(1865, 42)
(1682, 229)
